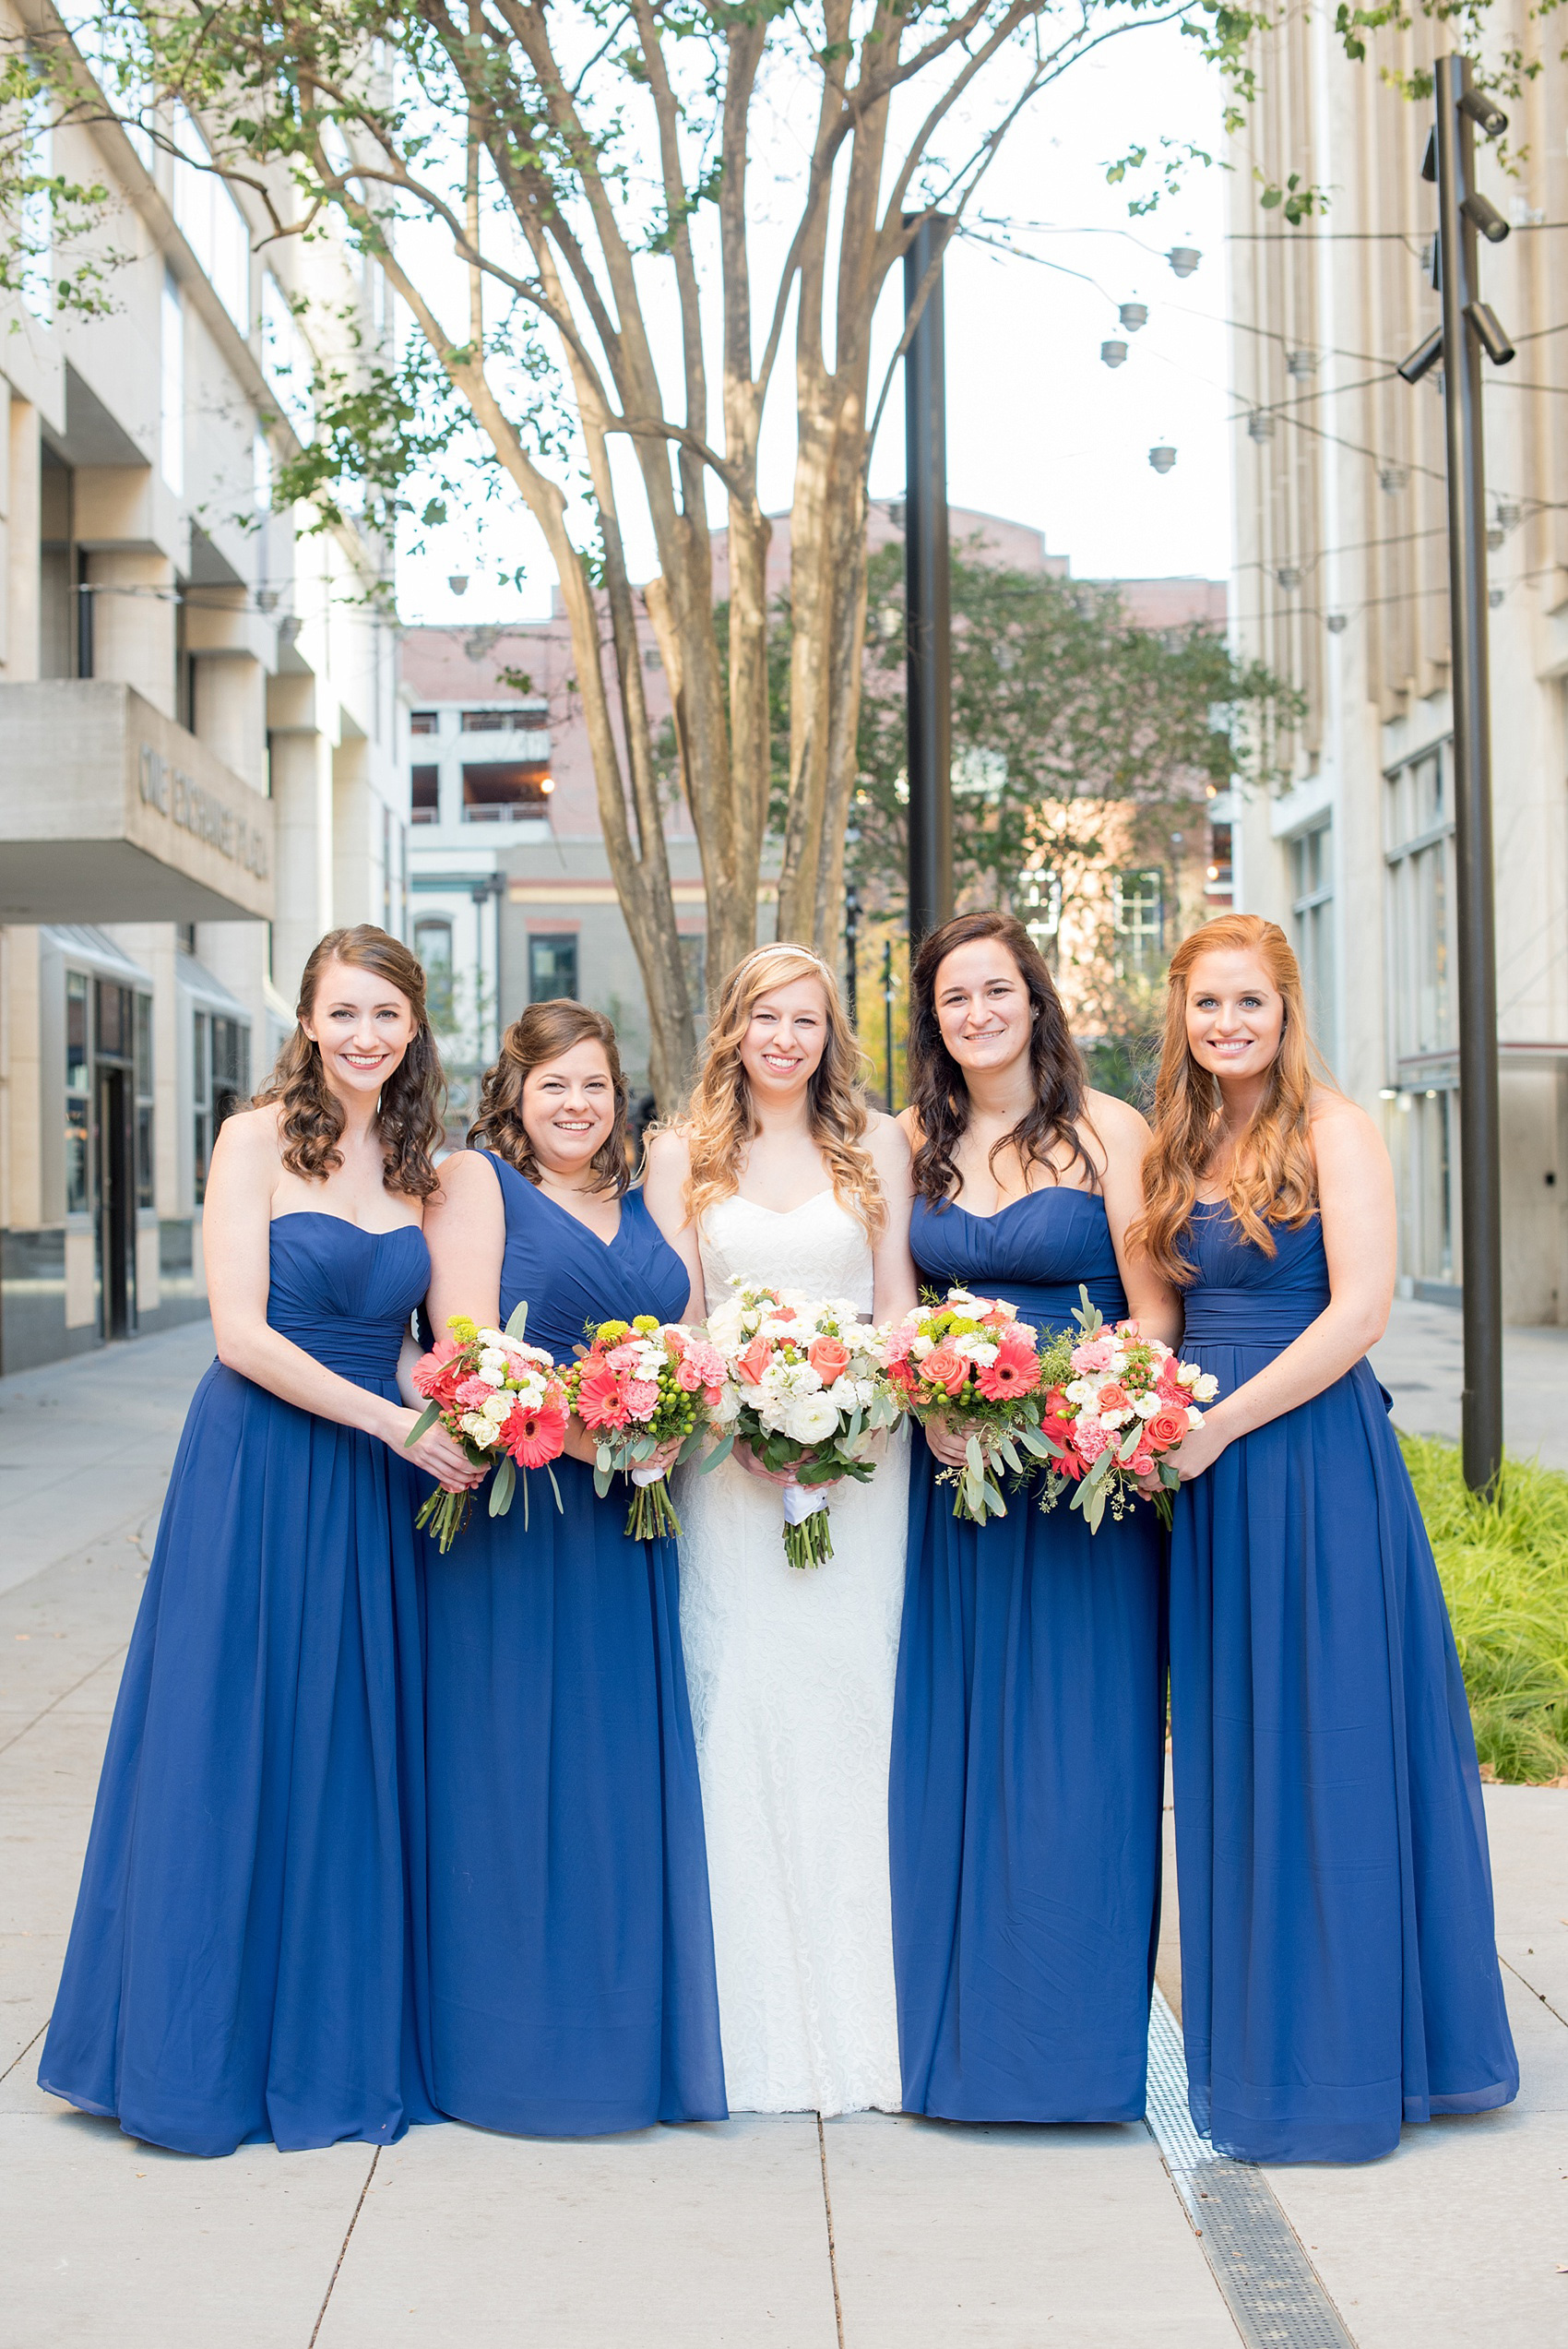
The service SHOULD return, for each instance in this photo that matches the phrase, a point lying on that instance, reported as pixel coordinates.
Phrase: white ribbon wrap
(647, 1476)
(802, 1501)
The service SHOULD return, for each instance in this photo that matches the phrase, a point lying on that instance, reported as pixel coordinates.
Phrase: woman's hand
(753, 1466)
(1199, 1451)
(435, 1453)
(581, 1443)
(664, 1459)
(951, 1447)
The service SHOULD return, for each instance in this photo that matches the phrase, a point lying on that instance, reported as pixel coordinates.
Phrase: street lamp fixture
(1260, 424)
(459, 582)
(1162, 458)
(1134, 314)
(1184, 259)
(1114, 354)
(1336, 624)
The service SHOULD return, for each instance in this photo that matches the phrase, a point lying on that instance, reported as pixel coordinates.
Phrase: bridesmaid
(571, 1950)
(1339, 1969)
(1028, 1736)
(239, 1967)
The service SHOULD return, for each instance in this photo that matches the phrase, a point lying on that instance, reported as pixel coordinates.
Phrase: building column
(135, 621)
(302, 793)
(19, 649)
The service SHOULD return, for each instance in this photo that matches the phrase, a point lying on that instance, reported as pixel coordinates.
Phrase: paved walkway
(871, 2233)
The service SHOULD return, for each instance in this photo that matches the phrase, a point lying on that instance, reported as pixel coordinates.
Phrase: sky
(1038, 429)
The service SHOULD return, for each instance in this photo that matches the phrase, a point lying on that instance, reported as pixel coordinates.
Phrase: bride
(779, 1174)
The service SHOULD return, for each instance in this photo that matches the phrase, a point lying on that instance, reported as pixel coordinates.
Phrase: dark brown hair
(543, 1032)
(938, 1094)
(408, 1115)
(1273, 1175)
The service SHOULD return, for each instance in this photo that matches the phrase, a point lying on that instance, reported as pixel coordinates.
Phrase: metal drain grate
(1270, 2286)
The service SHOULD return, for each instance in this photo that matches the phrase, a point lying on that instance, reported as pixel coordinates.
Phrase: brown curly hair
(718, 1124)
(409, 1114)
(1273, 1175)
(938, 1094)
(543, 1032)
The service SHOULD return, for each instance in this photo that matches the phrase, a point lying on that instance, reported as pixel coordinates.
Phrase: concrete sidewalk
(871, 2233)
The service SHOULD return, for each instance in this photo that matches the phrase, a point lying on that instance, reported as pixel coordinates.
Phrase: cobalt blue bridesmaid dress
(1339, 1968)
(1028, 1745)
(571, 1946)
(239, 1966)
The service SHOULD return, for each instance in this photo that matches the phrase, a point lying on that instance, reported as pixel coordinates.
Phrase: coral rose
(1168, 1428)
(828, 1359)
(1113, 1397)
(945, 1368)
(688, 1376)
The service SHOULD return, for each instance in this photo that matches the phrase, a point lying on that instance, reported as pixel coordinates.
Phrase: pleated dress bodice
(571, 1278)
(1033, 1254)
(344, 1294)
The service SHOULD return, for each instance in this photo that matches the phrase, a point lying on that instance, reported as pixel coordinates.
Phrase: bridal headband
(783, 946)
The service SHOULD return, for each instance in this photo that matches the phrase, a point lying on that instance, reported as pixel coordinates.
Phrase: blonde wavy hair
(718, 1124)
(1273, 1177)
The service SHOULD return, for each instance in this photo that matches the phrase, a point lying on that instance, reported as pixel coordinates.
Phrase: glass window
(426, 797)
(115, 1032)
(1140, 922)
(79, 1197)
(201, 1103)
(501, 721)
(552, 968)
(1311, 895)
(1419, 851)
(425, 721)
(145, 1171)
(1220, 873)
(495, 792)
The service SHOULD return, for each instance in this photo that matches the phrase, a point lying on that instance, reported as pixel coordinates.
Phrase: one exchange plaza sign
(195, 809)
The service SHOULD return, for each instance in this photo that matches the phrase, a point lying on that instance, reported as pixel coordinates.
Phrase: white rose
(497, 1407)
(811, 1418)
(728, 1407)
(1112, 1420)
(977, 1350)
(483, 1430)
(922, 1345)
(1206, 1385)
(1194, 1418)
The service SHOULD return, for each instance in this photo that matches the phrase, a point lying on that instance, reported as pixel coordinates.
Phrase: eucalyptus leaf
(517, 1319)
(422, 1424)
(502, 1485)
(720, 1451)
(601, 1476)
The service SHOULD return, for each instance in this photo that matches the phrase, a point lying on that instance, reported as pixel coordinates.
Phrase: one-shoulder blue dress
(571, 1945)
(241, 1963)
(1339, 1973)
(1028, 1745)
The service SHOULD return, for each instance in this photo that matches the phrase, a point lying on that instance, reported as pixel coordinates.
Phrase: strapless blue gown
(1027, 1746)
(241, 1963)
(571, 1945)
(1339, 1968)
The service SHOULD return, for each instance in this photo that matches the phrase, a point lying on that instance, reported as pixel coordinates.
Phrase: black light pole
(887, 1016)
(852, 955)
(927, 597)
(1468, 328)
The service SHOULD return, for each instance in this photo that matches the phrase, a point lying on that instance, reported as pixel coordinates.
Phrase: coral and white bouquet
(972, 1362)
(1117, 1404)
(806, 1388)
(637, 1387)
(502, 1402)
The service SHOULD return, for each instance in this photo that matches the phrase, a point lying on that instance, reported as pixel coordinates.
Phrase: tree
(587, 163)
(1079, 738)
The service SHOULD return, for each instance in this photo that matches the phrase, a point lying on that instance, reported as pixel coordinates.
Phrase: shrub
(1504, 1572)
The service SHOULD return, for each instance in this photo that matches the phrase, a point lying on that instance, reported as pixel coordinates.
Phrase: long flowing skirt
(1339, 1968)
(1027, 1793)
(571, 1950)
(242, 1962)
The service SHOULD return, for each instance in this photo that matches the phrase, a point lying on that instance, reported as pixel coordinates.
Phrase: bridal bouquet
(806, 1386)
(1117, 1405)
(636, 1386)
(972, 1362)
(501, 1401)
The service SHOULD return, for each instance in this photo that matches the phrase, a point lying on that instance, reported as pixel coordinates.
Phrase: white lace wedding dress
(791, 1674)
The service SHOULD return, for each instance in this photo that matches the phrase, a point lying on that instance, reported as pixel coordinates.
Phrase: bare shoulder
(468, 1174)
(908, 1123)
(251, 1140)
(1344, 1139)
(667, 1152)
(1116, 1120)
(887, 1141)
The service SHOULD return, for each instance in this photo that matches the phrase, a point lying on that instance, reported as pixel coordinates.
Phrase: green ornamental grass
(1505, 1571)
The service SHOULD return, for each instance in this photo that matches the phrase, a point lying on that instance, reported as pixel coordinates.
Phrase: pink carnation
(624, 1357)
(642, 1398)
(1089, 1440)
(1094, 1355)
(473, 1392)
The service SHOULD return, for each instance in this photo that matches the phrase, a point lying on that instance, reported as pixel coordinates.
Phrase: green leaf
(975, 1456)
(720, 1451)
(603, 1472)
(502, 1485)
(560, 1505)
(422, 1424)
(517, 1320)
